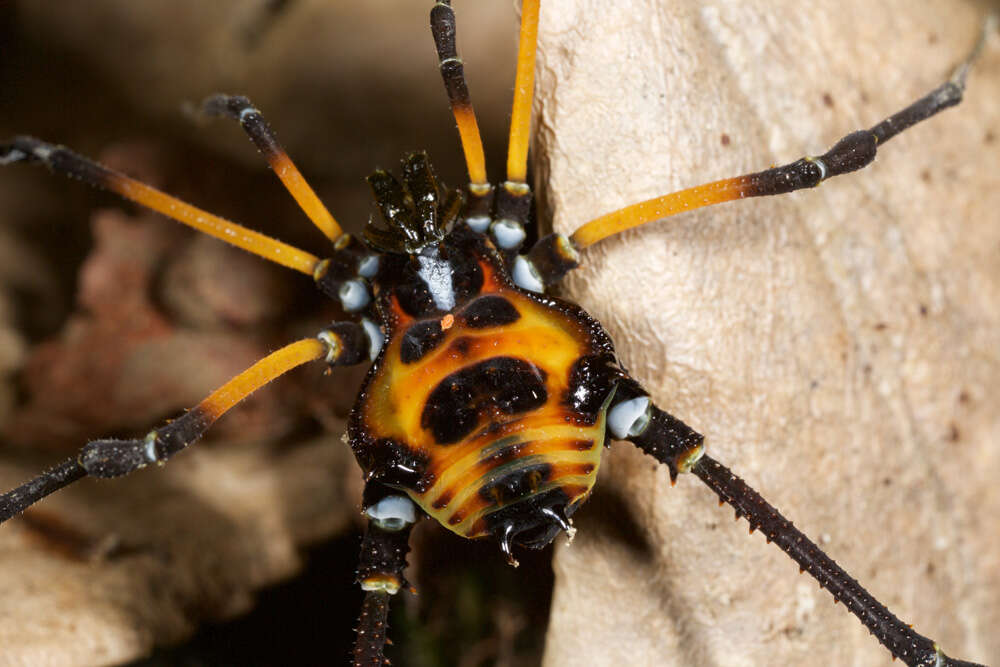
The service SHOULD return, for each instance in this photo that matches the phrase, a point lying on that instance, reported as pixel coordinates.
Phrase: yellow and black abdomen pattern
(490, 417)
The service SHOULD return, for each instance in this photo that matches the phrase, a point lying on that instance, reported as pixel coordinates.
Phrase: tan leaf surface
(838, 347)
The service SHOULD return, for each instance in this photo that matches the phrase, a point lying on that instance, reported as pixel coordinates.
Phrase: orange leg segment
(855, 151)
(113, 458)
(262, 136)
(261, 373)
(453, 73)
(524, 89)
(659, 208)
(68, 163)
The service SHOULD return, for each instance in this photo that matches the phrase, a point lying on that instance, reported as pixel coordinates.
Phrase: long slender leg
(555, 255)
(512, 206)
(480, 192)
(380, 568)
(513, 201)
(853, 152)
(343, 343)
(63, 161)
(673, 443)
(524, 92)
(899, 637)
(262, 136)
(453, 73)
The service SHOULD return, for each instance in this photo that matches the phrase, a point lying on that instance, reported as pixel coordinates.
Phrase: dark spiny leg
(372, 630)
(946, 95)
(901, 640)
(633, 417)
(343, 343)
(851, 153)
(675, 444)
(380, 570)
(68, 163)
(16, 501)
(262, 136)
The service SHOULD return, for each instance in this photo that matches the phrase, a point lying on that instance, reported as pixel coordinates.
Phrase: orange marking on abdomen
(480, 462)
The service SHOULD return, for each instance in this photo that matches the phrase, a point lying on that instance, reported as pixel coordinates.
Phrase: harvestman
(430, 280)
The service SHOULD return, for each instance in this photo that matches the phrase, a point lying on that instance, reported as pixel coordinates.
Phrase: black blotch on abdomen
(489, 311)
(504, 385)
(419, 339)
(591, 381)
(395, 463)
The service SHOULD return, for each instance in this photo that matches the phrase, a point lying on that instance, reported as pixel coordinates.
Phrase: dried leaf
(838, 347)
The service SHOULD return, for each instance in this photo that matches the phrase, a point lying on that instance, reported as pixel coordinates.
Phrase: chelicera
(488, 401)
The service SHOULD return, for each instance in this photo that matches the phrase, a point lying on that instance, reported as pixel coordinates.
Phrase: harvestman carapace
(488, 402)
